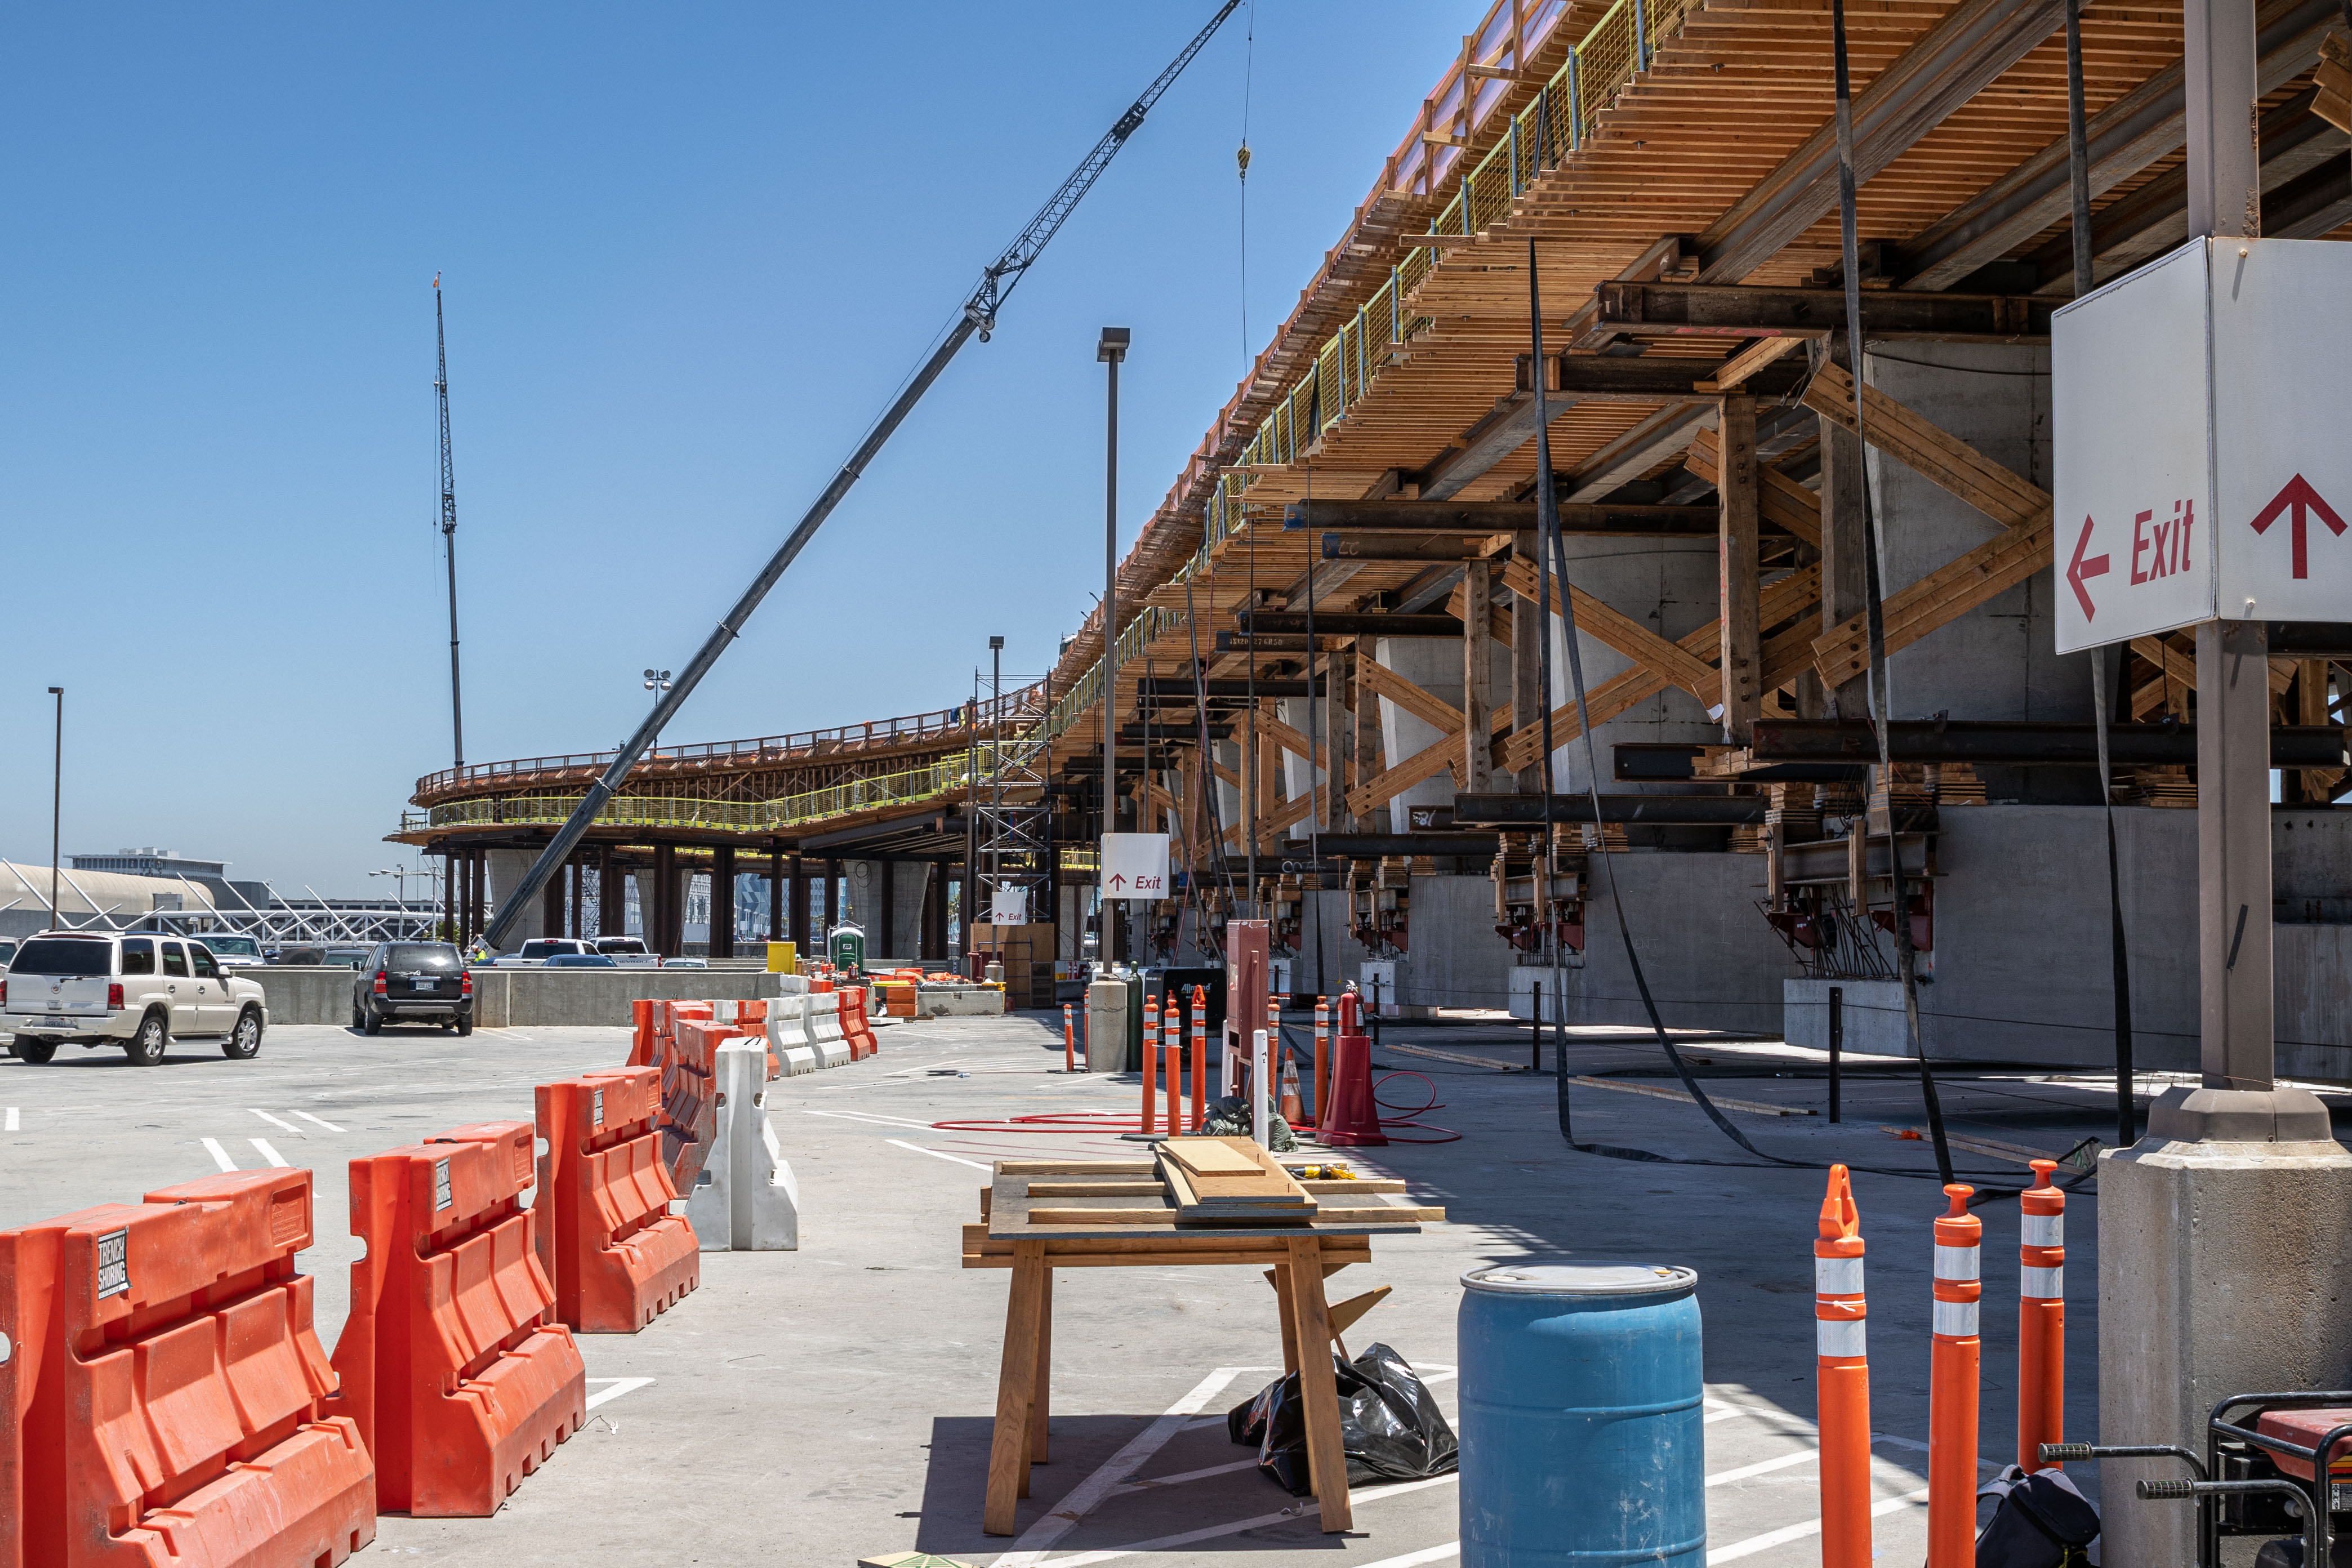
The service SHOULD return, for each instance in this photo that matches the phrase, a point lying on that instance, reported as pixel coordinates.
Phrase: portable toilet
(847, 946)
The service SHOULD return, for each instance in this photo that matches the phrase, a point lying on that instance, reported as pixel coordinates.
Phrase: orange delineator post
(1172, 1061)
(1151, 1064)
(614, 1253)
(1069, 1041)
(2040, 1319)
(163, 1388)
(1952, 1386)
(1322, 1050)
(457, 1375)
(1842, 1373)
(1199, 1056)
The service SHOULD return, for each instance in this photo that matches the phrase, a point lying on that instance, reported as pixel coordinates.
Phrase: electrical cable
(1555, 544)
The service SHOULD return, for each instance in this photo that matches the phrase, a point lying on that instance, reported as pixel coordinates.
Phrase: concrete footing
(2222, 1272)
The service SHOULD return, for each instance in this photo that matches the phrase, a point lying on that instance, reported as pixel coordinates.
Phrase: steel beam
(1665, 810)
(2060, 745)
(1731, 309)
(1377, 846)
(1490, 517)
(1344, 624)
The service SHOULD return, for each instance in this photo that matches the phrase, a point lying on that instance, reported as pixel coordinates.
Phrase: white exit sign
(2201, 412)
(1135, 865)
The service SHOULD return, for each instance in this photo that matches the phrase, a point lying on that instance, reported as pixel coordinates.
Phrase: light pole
(57, 798)
(656, 682)
(400, 882)
(1112, 352)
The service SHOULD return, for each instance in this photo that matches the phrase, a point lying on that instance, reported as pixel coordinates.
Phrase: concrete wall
(1671, 589)
(1711, 961)
(521, 998)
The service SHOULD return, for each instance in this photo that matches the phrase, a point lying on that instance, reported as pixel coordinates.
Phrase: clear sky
(687, 253)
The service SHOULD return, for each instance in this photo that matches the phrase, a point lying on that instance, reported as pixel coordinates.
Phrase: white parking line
(1451, 1550)
(11, 1126)
(328, 1125)
(619, 1385)
(261, 1146)
(865, 1116)
(275, 1120)
(219, 1154)
(935, 1154)
(1782, 1537)
(1306, 1508)
(1802, 1457)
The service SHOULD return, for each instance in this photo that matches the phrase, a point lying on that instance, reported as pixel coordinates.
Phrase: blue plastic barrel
(1582, 1436)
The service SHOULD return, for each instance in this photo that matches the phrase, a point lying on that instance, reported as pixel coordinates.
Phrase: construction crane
(978, 315)
(448, 522)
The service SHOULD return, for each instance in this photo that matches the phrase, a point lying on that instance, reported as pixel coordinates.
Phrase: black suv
(423, 981)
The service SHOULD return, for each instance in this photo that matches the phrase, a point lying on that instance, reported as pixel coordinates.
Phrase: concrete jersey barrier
(521, 998)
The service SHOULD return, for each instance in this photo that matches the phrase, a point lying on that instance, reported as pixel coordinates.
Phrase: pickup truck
(136, 991)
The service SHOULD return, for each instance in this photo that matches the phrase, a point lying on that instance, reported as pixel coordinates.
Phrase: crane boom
(448, 522)
(979, 315)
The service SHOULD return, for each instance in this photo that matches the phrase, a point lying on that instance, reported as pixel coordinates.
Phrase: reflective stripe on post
(1172, 1061)
(1842, 1396)
(2040, 1319)
(1952, 1386)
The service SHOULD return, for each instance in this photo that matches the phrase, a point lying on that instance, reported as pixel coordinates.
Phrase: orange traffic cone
(1289, 1108)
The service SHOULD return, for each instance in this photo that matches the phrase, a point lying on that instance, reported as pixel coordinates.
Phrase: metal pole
(57, 799)
(996, 764)
(1837, 1050)
(1111, 350)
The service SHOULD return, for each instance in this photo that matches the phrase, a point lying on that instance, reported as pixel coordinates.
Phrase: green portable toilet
(847, 946)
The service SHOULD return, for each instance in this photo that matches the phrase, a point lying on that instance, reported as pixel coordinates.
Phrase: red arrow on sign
(1119, 879)
(2298, 496)
(2078, 569)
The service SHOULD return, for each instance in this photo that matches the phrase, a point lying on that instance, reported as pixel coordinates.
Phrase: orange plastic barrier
(1841, 1363)
(855, 1027)
(689, 1098)
(1952, 1386)
(458, 1376)
(897, 998)
(617, 1256)
(640, 1034)
(2040, 1319)
(163, 1385)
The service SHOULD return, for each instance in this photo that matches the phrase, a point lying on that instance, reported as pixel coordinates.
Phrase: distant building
(210, 875)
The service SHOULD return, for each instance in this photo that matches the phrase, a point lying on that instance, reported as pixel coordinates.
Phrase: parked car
(413, 982)
(629, 952)
(136, 991)
(580, 960)
(347, 955)
(684, 964)
(234, 952)
(540, 949)
(7, 953)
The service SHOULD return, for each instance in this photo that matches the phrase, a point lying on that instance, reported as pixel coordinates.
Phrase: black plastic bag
(2042, 1521)
(1389, 1426)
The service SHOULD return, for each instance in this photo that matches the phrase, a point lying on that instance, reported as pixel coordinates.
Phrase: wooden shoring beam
(1488, 519)
(1673, 663)
(1740, 698)
(1379, 679)
(1781, 501)
(1943, 595)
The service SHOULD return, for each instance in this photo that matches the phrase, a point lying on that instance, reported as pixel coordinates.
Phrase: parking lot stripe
(328, 1125)
(261, 1146)
(935, 1154)
(1782, 1537)
(12, 1121)
(1451, 1549)
(275, 1120)
(620, 1385)
(219, 1154)
(1802, 1456)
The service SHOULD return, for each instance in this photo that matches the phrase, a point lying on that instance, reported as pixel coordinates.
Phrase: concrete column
(1526, 660)
(1742, 662)
(884, 936)
(1477, 701)
(662, 911)
(612, 895)
(1844, 539)
(722, 902)
(550, 906)
(775, 893)
(800, 926)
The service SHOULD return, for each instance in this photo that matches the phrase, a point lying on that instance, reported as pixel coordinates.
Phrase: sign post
(2200, 485)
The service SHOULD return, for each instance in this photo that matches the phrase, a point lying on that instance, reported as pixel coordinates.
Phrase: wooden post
(1016, 1385)
(1477, 663)
(1269, 783)
(1367, 760)
(1326, 1460)
(1742, 661)
(1041, 1382)
(1844, 590)
(1526, 658)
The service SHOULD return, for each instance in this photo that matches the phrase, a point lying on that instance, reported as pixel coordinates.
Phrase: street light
(401, 874)
(1111, 352)
(656, 682)
(57, 799)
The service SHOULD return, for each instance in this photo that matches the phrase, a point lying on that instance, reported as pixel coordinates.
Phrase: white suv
(136, 991)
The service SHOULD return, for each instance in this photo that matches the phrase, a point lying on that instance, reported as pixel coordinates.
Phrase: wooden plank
(1477, 769)
(1174, 1252)
(1208, 1157)
(1326, 1460)
(1008, 1449)
(1923, 446)
(1042, 1379)
(1943, 595)
(1383, 682)
(1733, 373)
(1345, 1315)
(1075, 1168)
(1383, 1213)
(1780, 501)
(1285, 1305)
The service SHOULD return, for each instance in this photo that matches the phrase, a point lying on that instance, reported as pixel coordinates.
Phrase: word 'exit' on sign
(2200, 409)
(1135, 865)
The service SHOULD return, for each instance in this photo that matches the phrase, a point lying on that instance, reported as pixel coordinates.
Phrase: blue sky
(687, 254)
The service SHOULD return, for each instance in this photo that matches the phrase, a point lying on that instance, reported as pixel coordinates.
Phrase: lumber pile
(1230, 1181)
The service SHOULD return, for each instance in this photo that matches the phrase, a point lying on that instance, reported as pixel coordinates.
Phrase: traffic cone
(1354, 1121)
(1288, 1108)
